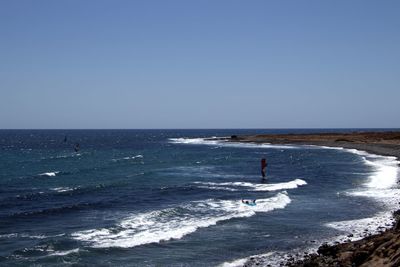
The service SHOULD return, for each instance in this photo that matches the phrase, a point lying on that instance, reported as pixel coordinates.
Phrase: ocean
(173, 197)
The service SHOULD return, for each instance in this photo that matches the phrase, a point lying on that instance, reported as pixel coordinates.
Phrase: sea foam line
(381, 186)
(63, 189)
(382, 182)
(359, 227)
(233, 186)
(62, 253)
(242, 261)
(175, 223)
(128, 158)
(32, 236)
(218, 142)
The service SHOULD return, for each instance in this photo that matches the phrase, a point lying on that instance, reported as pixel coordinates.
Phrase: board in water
(249, 202)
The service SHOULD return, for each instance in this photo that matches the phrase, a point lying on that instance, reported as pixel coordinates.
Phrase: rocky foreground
(377, 250)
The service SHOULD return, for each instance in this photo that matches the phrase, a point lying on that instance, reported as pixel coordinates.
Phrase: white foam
(218, 188)
(63, 253)
(175, 223)
(63, 156)
(387, 198)
(359, 228)
(385, 172)
(202, 171)
(195, 141)
(243, 261)
(381, 186)
(233, 186)
(62, 189)
(26, 235)
(219, 142)
(12, 235)
(235, 263)
(39, 236)
(49, 174)
(128, 158)
(382, 182)
(384, 168)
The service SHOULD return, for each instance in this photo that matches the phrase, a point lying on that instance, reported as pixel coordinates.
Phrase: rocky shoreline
(381, 249)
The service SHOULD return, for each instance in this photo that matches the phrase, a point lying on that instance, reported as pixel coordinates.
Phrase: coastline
(382, 249)
(380, 143)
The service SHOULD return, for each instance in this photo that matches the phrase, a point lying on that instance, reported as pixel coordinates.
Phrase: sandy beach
(374, 250)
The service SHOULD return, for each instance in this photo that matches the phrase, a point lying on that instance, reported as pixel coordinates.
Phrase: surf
(175, 223)
(246, 186)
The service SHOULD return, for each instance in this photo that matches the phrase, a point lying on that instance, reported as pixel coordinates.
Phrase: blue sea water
(173, 198)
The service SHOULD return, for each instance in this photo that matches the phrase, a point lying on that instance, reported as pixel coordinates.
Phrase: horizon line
(284, 128)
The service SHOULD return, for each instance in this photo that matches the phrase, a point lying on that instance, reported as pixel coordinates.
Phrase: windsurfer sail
(263, 167)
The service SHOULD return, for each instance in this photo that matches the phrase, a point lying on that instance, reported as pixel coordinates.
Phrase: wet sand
(377, 250)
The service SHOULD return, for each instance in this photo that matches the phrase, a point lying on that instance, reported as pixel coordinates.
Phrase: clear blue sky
(199, 64)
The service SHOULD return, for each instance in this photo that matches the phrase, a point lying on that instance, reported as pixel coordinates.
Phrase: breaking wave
(63, 189)
(175, 223)
(49, 174)
(381, 183)
(236, 186)
(219, 142)
(128, 158)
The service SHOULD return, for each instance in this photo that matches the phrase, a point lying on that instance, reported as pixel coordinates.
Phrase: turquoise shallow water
(171, 198)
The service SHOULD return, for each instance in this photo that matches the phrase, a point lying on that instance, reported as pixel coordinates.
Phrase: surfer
(264, 165)
(65, 139)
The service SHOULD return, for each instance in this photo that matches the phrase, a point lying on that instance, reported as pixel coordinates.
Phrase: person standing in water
(77, 147)
(263, 167)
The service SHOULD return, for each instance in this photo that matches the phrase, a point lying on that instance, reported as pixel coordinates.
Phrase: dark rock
(327, 250)
(359, 257)
(343, 140)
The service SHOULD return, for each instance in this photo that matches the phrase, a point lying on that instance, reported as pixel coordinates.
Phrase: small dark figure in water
(247, 201)
(264, 165)
(65, 139)
(77, 147)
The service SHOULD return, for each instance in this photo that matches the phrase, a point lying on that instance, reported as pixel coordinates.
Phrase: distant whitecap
(49, 174)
